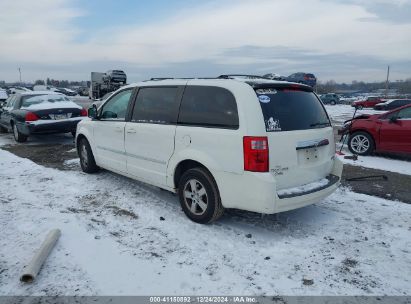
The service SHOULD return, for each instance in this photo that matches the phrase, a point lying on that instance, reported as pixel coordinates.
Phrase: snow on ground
(115, 243)
(377, 162)
(6, 139)
(341, 113)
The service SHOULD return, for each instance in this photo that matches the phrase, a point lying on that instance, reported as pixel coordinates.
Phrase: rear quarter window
(208, 106)
(291, 110)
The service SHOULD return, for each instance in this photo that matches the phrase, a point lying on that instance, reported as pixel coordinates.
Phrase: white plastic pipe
(33, 268)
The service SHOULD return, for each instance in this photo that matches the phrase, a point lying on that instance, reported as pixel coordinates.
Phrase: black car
(116, 76)
(39, 113)
(330, 98)
(392, 104)
(304, 78)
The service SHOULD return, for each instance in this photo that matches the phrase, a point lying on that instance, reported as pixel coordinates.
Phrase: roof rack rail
(230, 76)
(160, 78)
(179, 78)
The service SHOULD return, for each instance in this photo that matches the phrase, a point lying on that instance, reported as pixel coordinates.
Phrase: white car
(274, 76)
(253, 144)
(15, 90)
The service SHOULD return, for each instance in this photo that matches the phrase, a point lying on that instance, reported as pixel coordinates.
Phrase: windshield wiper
(319, 124)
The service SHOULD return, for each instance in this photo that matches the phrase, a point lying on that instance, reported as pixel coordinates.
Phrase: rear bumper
(257, 191)
(49, 127)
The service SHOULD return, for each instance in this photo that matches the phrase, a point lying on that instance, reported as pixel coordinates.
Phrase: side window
(116, 107)
(391, 115)
(208, 107)
(405, 113)
(157, 105)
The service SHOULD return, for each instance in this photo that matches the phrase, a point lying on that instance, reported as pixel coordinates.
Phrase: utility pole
(20, 74)
(387, 82)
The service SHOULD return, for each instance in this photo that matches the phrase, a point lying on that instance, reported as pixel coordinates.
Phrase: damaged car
(389, 132)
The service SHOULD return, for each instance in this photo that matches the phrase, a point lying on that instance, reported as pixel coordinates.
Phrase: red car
(369, 102)
(387, 132)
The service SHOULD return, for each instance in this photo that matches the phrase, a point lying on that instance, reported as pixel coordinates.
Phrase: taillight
(255, 154)
(31, 117)
(83, 112)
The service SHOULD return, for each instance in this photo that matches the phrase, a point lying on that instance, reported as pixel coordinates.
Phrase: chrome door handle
(118, 129)
(131, 131)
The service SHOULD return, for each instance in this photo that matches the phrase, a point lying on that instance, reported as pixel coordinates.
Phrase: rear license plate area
(59, 116)
(307, 156)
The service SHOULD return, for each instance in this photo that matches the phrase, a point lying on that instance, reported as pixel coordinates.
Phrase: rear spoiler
(280, 85)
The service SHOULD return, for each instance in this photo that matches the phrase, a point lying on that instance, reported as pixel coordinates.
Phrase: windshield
(38, 99)
(290, 110)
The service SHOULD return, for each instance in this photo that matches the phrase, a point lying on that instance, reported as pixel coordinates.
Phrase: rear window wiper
(319, 124)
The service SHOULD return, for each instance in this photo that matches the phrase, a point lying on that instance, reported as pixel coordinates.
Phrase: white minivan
(252, 144)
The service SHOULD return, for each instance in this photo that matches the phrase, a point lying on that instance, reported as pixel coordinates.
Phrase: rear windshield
(38, 99)
(291, 110)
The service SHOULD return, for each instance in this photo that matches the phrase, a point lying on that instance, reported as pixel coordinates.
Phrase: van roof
(257, 82)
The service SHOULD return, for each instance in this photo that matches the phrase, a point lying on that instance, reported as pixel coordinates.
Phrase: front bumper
(49, 127)
(257, 191)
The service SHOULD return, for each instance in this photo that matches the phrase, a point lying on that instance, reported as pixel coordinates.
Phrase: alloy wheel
(195, 197)
(84, 155)
(360, 144)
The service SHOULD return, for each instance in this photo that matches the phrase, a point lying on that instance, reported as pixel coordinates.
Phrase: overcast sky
(335, 39)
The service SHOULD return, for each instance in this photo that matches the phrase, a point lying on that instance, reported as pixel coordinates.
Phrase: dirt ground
(395, 187)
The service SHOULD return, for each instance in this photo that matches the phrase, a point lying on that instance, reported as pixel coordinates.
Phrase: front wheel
(18, 136)
(361, 143)
(199, 196)
(87, 161)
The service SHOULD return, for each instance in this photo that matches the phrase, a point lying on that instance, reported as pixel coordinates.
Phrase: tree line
(60, 83)
(402, 86)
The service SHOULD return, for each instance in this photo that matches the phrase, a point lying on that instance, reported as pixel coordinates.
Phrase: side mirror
(92, 112)
(393, 119)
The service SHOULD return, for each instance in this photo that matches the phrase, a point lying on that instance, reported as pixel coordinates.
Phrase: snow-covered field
(341, 113)
(377, 162)
(120, 237)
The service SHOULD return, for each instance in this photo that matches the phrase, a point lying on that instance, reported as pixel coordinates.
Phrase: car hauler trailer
(101, 84)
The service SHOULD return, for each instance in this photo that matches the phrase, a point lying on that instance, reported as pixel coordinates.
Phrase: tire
(18, 136)
(199, 196)
(333, 103)
(361, 143)
(87, 161)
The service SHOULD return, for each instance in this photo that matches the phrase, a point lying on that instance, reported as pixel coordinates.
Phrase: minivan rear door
(300, 136)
